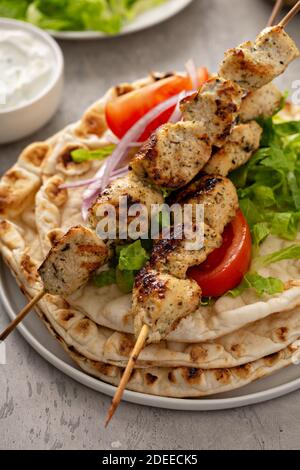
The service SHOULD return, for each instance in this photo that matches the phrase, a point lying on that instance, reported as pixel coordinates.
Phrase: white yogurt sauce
(27, 65)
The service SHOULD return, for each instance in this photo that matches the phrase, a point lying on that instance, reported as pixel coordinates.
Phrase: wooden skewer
(291, 14)
(21, 315)
(275, 12)
(139, 345)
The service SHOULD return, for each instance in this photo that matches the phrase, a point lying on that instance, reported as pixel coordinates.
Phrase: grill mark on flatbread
(55, 235)
(272, 358)
(92, 123)
(222, 375)
(191, 374)
(67, 315)
(55, 194)
(237, 349)
(171, 377)
(83, 328)
(35, 154)
(65, 163)
(29, 269)
(126, 345)
(198, 353)
(281, 334)
(17, 191)
(151, 379)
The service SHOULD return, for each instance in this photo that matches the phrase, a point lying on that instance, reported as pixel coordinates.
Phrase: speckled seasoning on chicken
(254, 64)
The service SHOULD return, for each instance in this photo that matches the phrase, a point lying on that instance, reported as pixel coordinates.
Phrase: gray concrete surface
(40, 408)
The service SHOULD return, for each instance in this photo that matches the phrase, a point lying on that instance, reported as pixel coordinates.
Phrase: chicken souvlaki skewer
(242, 142)
(163, 294)
(176, 153)
(263, 60)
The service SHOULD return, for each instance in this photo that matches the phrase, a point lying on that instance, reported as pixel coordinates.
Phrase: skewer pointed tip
(109, 415)
(140, 343)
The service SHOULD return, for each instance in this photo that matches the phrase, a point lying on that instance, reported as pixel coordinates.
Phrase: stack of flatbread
(220, 347)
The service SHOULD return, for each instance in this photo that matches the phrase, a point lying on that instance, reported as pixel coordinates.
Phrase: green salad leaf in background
(108, 16)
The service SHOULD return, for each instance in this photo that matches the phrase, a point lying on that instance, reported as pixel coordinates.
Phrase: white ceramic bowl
(21, 121)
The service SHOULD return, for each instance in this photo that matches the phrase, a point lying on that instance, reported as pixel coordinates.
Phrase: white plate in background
(37, 335)
(143, 21)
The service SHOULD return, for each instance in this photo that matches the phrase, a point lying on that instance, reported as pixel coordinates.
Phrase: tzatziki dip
(27, 66)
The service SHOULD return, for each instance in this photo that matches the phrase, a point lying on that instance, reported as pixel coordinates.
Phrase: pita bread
(100, 344)
(218, 348)
(183, 382)
(163, 381)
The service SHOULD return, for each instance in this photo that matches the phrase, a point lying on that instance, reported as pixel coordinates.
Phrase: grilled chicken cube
(240, 146)
(254, 64)
(134, 191)
(216, 106)
(173, 257)
(218, 196)
(161, 301)
(263, 102)
(173, 155)
(72, 260)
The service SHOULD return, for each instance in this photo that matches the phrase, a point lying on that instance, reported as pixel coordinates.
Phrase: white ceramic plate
(36, 334)
(143, 21)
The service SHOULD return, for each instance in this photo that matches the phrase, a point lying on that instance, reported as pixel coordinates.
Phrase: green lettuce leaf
(269, 184)
(125, 280)
(108, 16)
(261, 285)
(83, 155)
(105, 278)
(14, 8)
(290, 252)
(260, 232)
(251, 212)
(284, 224)
(284, 129)
(128, 260)
(132, 257)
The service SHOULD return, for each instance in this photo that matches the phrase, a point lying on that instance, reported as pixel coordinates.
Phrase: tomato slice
(123, 112)
(225, 267)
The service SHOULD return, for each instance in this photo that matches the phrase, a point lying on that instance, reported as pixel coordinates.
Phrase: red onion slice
(191, 69)
(133, 135)
(130, 139)
(81, 183)
(177, 114)
(92, 191)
